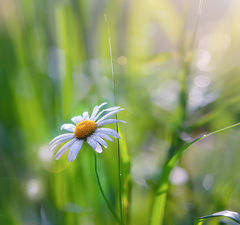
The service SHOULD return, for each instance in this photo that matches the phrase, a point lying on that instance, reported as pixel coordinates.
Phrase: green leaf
(228, 214)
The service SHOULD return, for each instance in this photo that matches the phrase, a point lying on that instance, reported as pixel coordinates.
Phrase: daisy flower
(86, 128)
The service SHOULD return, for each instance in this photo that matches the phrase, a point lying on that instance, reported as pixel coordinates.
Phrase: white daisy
(86, 128)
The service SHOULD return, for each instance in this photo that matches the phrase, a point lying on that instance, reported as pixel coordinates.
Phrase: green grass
(55, 63)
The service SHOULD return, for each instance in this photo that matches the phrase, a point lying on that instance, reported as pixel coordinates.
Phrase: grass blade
(228, 214)
(161, 194)
(126, 178)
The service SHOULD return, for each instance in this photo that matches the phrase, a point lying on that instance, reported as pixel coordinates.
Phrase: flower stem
(102, 192)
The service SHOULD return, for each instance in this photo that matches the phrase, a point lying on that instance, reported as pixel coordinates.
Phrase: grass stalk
(115, 103)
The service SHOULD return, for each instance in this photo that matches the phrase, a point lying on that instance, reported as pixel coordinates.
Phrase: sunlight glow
(178, 176)
(33, 189)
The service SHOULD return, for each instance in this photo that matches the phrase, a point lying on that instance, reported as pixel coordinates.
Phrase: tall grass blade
(174, 152)
(126, 178)
(64, 19)
(117, 129)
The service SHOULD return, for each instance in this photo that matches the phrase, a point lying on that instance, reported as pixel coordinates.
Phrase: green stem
(102, 192)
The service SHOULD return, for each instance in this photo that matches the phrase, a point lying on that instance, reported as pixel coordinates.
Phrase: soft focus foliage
(55, 63)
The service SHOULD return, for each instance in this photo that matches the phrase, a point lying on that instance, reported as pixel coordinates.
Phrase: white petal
(99, 140)
(106, 110)
(104, 136)
(68, 127)
(109, 114)
(108, 131)
(109, 121)
(64, 148)
(100, 106)
(74, 150)
(77, 119)
(94, 112)
(97, 147)
(85, 116)
(96, 109)
(55, 144)
(60, 137)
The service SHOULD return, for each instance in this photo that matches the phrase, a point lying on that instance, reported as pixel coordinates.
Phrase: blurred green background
(55, 63)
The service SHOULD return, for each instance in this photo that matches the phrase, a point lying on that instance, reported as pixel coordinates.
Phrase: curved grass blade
(161, 194)
(228, 214)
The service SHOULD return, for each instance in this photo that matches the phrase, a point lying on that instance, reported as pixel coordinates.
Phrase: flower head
(86, 128)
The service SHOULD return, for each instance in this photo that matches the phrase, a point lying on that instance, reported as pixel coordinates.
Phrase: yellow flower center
(85, 128)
